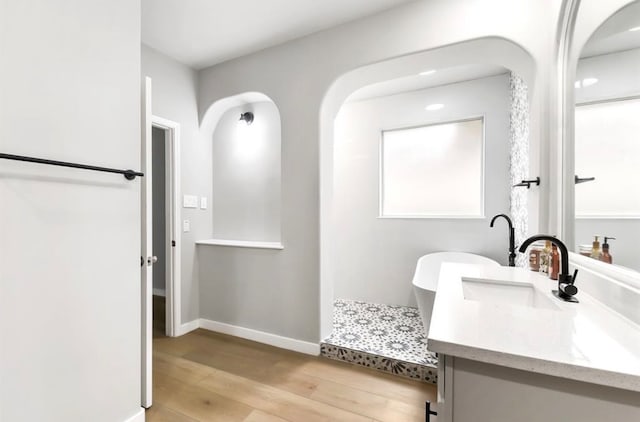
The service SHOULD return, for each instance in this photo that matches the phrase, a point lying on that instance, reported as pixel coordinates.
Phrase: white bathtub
(425, 279)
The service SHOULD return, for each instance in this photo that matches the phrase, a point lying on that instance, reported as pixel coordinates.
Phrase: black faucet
(512, 245)
(566, 289)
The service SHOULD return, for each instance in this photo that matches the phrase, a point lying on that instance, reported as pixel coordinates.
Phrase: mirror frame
(580, 20)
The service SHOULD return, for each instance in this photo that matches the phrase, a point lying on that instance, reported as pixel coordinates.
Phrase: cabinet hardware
(429, 412)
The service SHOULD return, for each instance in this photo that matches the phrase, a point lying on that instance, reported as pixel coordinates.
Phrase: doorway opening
(164, 224)
(160, 233)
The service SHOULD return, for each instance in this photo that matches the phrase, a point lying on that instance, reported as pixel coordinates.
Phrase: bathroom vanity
(511, 351)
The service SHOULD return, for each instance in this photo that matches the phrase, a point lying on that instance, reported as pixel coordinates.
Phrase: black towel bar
(128, 174)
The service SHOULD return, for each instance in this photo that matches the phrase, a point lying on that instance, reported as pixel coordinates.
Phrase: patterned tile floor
(385, 337)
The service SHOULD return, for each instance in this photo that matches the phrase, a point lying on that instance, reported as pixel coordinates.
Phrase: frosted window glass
(433, 171)
(608, 148)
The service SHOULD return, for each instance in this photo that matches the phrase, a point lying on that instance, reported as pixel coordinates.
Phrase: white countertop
(583, 341)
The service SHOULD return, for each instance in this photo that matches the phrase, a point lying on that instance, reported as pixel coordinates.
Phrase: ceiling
(614, 35)
(416, 81)
(201, 33)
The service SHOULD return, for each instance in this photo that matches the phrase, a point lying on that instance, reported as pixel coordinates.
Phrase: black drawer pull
(429, 412)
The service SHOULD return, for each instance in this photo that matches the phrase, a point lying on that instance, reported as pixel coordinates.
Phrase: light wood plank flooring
(204, 376)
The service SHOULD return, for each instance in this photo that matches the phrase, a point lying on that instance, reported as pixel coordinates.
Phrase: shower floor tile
(385, 337)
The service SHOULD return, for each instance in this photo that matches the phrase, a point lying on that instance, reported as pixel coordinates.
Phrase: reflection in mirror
(607, 141)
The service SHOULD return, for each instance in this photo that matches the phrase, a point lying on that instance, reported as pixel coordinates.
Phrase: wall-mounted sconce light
(247, 117)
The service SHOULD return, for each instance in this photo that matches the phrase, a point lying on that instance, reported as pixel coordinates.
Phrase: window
(433, 171)
(607, 147)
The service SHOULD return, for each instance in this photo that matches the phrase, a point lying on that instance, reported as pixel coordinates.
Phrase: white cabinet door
(445, 389)
(486, 392)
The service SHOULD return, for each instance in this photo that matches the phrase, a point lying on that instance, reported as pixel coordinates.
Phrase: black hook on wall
(528, 183)
(583, 179)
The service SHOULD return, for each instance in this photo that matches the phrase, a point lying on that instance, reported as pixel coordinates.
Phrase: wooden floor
(204, 376)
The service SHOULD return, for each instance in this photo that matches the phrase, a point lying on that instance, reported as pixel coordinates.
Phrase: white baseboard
(159, 292)
(249, 334)
(261, 337)
(138, 417)
(188, 327)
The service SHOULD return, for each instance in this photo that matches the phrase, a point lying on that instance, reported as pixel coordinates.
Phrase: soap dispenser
(595, 249)
(605, 256)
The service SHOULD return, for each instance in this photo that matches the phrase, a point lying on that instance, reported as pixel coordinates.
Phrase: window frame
(481, 215)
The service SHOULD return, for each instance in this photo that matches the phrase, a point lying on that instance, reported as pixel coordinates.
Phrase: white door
(147, 258)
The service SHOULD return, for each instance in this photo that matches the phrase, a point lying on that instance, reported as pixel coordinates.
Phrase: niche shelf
(241, 243)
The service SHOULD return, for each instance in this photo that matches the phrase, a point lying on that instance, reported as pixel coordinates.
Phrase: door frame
(172, 223)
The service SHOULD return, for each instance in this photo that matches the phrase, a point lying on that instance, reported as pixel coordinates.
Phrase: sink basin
(505, 293)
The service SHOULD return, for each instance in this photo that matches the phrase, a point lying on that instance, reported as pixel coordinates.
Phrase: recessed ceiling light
(427, 72)
(434, 107)
(634, 29)
(586, 82)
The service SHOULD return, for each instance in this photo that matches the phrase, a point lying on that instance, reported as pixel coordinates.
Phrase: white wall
(175, 98)
(617, 76)
(297, 75)
(70, 250)
(375, 257)
(246, 175)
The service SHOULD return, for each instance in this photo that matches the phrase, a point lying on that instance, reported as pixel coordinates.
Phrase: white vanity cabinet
(503, 359)
(470, 391)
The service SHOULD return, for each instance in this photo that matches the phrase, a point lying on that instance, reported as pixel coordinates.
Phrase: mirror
(607, 141)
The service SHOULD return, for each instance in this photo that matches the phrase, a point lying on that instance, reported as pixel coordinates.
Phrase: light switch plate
(190, 201)
(186, 226)
(203, 203)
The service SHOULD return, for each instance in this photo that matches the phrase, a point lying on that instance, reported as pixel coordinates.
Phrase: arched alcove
(246, 170)
(486, 51)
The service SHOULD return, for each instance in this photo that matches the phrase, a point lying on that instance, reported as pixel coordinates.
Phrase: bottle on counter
(595, 249)
(534, 256)
(545, 257)
(605, 256)
(554, 264)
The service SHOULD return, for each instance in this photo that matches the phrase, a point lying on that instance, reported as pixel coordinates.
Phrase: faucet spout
(512, 236)
(566, 289)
